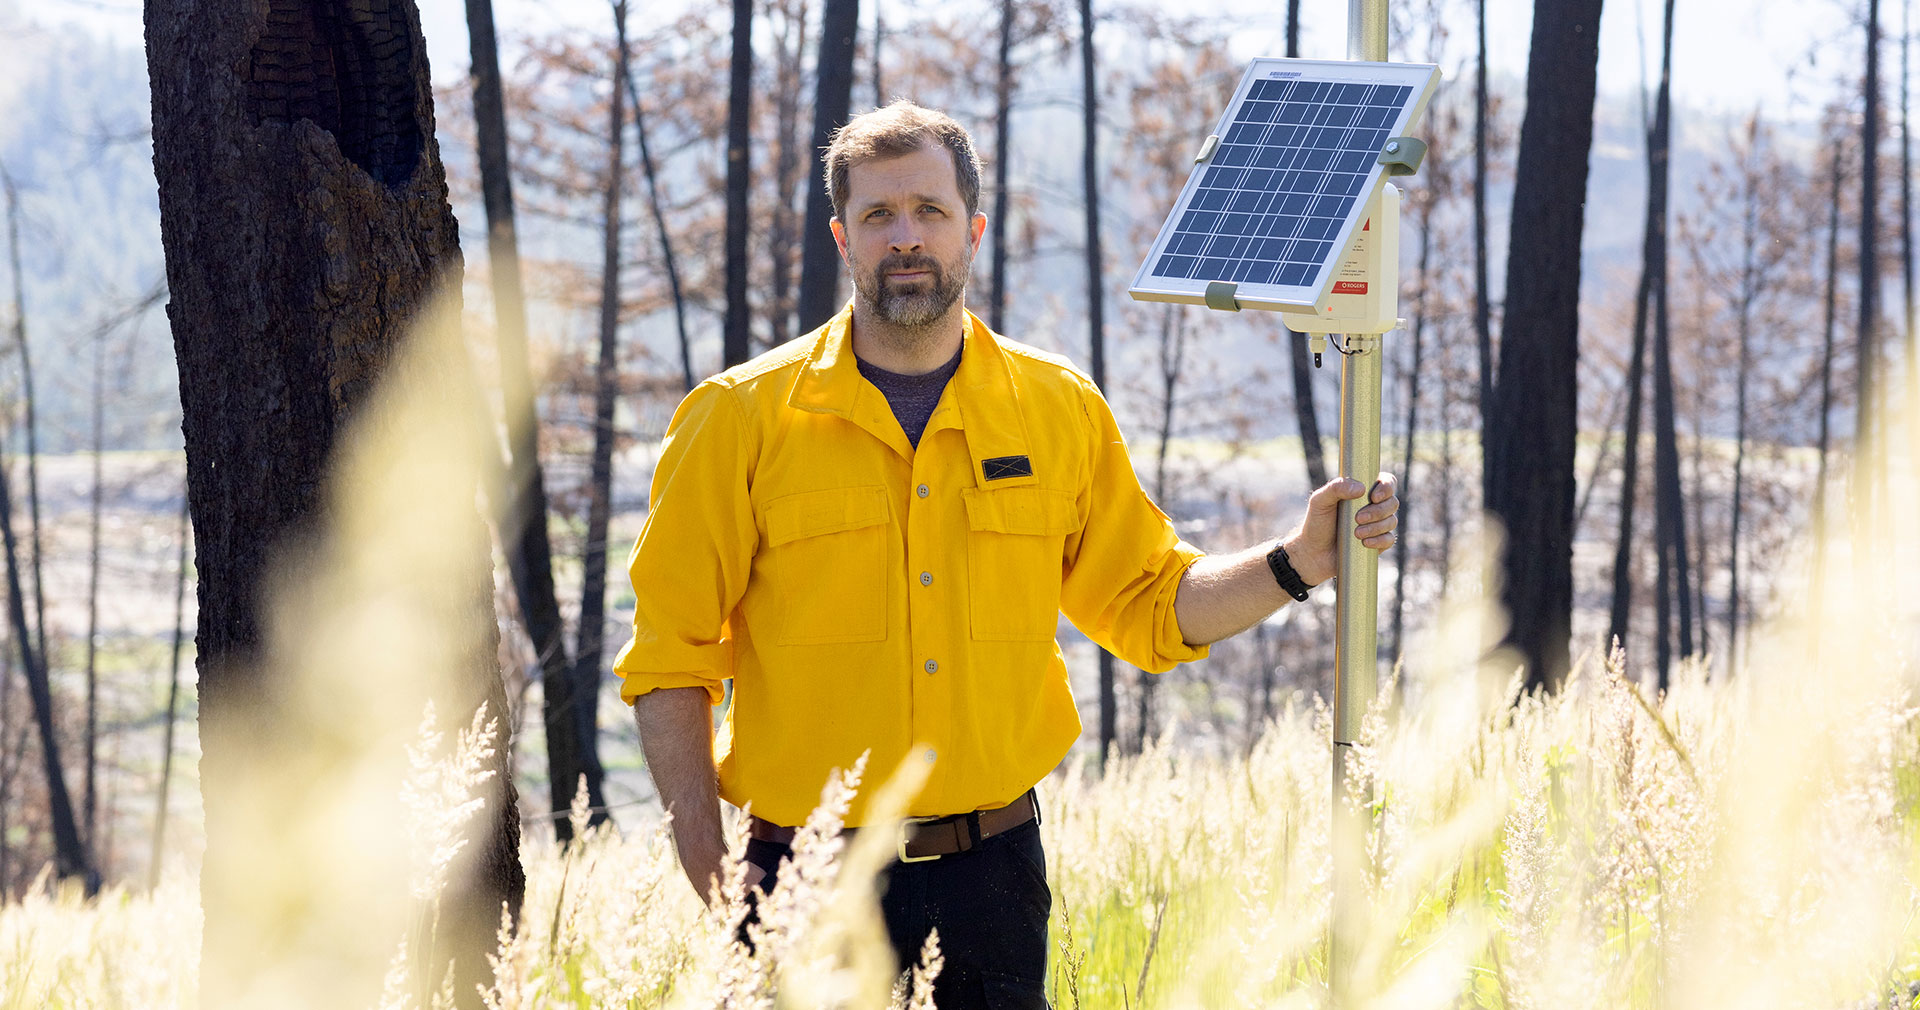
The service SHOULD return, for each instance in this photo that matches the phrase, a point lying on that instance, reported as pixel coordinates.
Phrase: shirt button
(932, 666)
(929, 755)
(926, 578)
(921, 490)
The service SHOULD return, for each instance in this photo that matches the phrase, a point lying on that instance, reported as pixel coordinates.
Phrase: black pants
(990, 905)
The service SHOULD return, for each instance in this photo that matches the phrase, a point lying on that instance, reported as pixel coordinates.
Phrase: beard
(920, 305)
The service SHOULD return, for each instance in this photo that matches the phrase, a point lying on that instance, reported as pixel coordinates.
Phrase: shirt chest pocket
(1015, 547)
(824, 566)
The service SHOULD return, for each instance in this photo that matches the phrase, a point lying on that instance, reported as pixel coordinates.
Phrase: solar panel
(1283, 183)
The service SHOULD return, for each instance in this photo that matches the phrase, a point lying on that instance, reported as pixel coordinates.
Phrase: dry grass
(1748, 843)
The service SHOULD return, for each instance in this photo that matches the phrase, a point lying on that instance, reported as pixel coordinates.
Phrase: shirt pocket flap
(814, 513)
(1030, 510)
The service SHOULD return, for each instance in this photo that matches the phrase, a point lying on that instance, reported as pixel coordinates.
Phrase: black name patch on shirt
(1002, 467)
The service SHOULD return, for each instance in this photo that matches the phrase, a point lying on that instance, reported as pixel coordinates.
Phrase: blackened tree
(1653, 257)
(735, 340)
(832, 101)
(1529, 481)
(522, 511)
(1306, 415)
(305, 225)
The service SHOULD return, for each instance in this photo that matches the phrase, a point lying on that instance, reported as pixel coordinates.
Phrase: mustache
(906, 261)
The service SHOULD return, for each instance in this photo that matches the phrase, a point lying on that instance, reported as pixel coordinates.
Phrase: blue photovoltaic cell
(1284, 177)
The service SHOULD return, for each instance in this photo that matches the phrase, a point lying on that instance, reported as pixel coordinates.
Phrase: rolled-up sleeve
(1124, 565)
(690, 564)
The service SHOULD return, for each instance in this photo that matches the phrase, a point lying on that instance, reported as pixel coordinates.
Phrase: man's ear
(979, 225)
(840, 235)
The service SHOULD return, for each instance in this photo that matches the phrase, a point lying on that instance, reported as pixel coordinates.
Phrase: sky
(1730, 55)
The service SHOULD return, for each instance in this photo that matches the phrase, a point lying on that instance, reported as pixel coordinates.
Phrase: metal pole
(1356, 609)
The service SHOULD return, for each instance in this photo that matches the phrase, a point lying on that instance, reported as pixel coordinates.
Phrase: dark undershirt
(912, 397)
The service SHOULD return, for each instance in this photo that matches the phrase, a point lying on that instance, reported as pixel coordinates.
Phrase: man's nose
(905, 238)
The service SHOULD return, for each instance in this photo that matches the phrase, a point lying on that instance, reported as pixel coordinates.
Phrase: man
(873, 529)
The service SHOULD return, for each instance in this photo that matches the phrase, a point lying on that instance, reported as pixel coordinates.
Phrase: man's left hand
(1312, 547)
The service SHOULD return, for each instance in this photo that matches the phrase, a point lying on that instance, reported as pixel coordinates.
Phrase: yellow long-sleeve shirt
(867, 596)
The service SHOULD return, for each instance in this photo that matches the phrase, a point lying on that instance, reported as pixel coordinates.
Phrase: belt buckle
(906, 825)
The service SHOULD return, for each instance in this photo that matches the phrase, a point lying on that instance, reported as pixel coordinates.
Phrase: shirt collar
(983, 400)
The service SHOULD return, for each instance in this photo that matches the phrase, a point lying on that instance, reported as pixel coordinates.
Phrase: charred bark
(27, 402)
(1173, 356)
(1911, 344)
(1653, 271)
(879, 36)
(1530, 444)
(293, 146)
(1306, 415)
(1096, 305)
(1673, 584)
(592, 631)
(1002, 150)
(522, 513)
(832, 101)
(1400, 560)
(1749, 294)
(1865, 477)
(71, 859)
(184, 536)
(784, 238)
(90, 805)
(1482, 293)
(668, 263)
(1834, 180)
(735, 340)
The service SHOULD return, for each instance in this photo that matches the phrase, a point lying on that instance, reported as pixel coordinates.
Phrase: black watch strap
(1284, 574)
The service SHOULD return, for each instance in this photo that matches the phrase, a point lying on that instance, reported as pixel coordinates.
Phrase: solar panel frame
(1274, 205)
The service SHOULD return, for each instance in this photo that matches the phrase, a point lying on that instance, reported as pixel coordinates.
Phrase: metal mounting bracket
(1220, 296)
(1207, 148)
(1403, 155)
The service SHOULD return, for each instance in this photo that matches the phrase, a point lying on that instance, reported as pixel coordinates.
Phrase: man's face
(906, 236)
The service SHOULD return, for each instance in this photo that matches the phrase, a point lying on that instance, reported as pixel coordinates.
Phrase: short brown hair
(899, 129)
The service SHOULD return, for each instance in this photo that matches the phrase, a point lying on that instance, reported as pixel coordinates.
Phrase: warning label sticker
(1350, 287)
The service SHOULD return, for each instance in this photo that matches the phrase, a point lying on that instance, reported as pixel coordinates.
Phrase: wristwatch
(1284, 574)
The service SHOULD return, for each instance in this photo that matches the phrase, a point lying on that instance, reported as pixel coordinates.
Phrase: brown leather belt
(924, 838)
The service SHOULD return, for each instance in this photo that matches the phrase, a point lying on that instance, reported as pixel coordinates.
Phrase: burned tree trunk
(1304, 413)
(522, 511)
(1096, 307)
(1002, 145)
(1834, 180)
(305, 222)
(1866, 479)
(1909, 344)
(1401, 559)
(784, 239)
(1673, 580)
(734, 346)
(27, 404)
(1653, 272)
(1529, 483)
(69, 849)
(1749, 294)
(1482, 310)
(592, 632)
(832, 101)
(667, 261)
(185, 535)
(90, 804)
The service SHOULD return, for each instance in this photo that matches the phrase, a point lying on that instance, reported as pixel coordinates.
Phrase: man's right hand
(676, 735)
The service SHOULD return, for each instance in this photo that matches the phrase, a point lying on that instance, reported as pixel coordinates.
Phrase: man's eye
(876, 215)
(927, 208)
